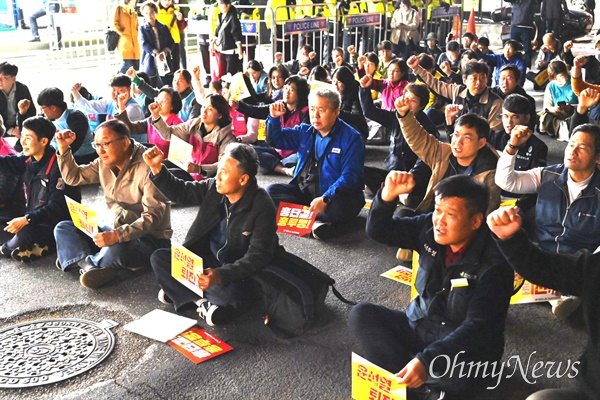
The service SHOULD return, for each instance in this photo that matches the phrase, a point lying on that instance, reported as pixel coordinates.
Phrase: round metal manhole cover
(51, 350)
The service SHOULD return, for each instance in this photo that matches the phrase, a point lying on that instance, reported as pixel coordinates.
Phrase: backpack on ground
(293, 293)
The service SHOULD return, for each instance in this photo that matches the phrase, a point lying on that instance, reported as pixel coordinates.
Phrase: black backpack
(293, 293)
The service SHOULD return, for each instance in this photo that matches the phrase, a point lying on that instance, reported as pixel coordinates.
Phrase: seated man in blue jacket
(30, 236)
(464, 287)
(331, 157)
(234, 232)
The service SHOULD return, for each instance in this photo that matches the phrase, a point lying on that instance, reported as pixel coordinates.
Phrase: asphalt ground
(315, 365)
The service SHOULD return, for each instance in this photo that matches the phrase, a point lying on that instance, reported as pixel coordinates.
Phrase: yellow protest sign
(400, 274)
(180, 152)
(531, 293)
(83, 217)
(185, 267)
(262, 130)
(371, 382)
(237, 88)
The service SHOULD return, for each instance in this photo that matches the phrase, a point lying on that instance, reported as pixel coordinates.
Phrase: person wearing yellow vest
(126, 24)
(169, 15)
(278, 11)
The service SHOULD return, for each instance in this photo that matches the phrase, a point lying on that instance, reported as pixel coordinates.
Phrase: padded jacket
(450, 320)
(251, 231)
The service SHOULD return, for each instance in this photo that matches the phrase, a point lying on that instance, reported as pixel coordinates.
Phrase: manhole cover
(51, 350)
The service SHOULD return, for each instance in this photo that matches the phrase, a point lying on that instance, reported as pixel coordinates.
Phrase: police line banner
(180, 152)
(84, 218)
(305, 25)
(295, 219)
(371, 382)
(198, 345)
(353, 21)
(185, 267)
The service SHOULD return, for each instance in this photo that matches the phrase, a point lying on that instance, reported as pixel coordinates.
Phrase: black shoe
(207, 82)
(322, 230)
(27, 254)
(35, 39)
(97, 277)
(426, 393)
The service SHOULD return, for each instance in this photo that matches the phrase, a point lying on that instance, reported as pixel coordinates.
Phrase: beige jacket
(138, 206)
(221, 137)
(437, 154)
(411, 20)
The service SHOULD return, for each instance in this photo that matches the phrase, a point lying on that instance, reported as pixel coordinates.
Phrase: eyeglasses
(104, 145)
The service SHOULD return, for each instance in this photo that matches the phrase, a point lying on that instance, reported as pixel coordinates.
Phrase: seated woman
(559, 99)
(278, 74)
(209, 134)
(258, 76)
(182, 83)
(168, 104)
(295, 98)
(369, 63)
(392, 87)
(350, 108)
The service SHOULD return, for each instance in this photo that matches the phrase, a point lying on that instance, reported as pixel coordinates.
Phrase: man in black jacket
(234, 232)
(573, 273)
(30, 236)
(11, 93)
(464, 287)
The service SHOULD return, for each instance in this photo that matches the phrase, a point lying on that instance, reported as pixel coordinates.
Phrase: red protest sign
(199, 345)
(294, 219)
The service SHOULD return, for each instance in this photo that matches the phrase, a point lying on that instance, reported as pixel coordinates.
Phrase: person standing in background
(126, 23)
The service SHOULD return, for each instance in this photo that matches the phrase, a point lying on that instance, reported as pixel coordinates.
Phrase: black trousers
(41, 234)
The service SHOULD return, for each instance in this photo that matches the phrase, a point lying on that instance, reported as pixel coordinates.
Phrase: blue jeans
(525, 36)
(236, 295)
(72, 246)
(129, 63)
(33, 21)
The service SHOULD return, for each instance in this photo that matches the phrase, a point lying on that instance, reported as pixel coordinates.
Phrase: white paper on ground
(160, 325)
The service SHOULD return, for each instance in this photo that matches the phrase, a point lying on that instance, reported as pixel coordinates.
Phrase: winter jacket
(576, 274)
(251, 232)
(145, 126)
(342, 167)
(126, 24)
(499, 61)
(564, 227)
(21, 93)
(523, 12)
(45, 189)
(439, 157)
(412, 22)
(452, 319)
(229, 30)
(166, 16)
(150, 47)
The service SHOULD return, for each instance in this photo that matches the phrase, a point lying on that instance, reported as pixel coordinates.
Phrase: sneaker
(97, 277)
(289, 171)
(35, 39)
(405, 255)
(57, 263)
(206, 311)
(162, 297)
(322, 230)
(27, 254)
(565, 306)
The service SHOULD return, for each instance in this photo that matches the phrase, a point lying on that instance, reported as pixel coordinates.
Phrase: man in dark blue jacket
(331, 157)
(464, 287)
(234, 232)
(30, 236)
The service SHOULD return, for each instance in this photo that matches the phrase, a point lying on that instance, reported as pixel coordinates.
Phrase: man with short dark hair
(28, 237)
(119, 84)
(467, 154)
(52, 103)
(234, 232)
(567, 213)
(464, 287)
(451, 55)
(142, 215)
(508, 84)
(531, 153)
(473, 95)
(331, 157)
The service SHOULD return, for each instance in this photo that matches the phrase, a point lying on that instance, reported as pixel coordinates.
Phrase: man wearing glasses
(467, 154)
(142, 217)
